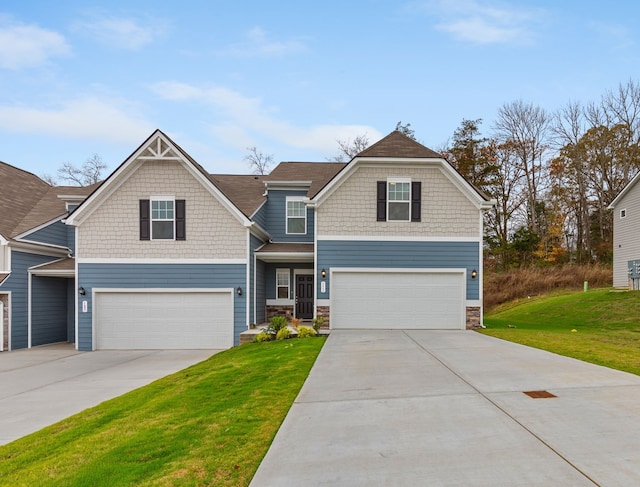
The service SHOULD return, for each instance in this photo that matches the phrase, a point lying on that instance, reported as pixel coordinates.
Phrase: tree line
(553, 175)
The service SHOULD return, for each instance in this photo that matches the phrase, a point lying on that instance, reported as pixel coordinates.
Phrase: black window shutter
(145, 223)
(416, 199)
(382, 201)
(181, 229)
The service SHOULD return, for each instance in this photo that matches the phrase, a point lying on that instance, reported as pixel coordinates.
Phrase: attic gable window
(399, 199)
(162, 218)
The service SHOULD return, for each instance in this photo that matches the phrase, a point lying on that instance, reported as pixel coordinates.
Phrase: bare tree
(258, 161)
(350, 148)
(49, 179)
(527, 127)
(89, 173)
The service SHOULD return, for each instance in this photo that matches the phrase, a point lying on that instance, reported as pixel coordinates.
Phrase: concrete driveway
(44, 385)
(409, 408)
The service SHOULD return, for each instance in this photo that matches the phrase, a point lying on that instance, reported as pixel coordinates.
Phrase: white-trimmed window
(296, 216)
(399, 200)
(623, 213)
(162, 218)
(282, 283)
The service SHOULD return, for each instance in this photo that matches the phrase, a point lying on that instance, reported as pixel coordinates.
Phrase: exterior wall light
(323, 273)
(239, 291)
(474, 274)
(81, 291)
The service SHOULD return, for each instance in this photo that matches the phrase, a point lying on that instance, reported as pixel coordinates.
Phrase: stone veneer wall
(5, 321)
(473, 317)
(280, 310)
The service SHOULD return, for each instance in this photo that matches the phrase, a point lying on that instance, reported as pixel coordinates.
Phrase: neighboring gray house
(626, 236)
(170, 256)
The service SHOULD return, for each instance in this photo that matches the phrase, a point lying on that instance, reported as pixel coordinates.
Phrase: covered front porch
(285, 281)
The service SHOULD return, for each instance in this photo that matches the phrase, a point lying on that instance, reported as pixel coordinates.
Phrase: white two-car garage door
(140, 319)
(381, 299)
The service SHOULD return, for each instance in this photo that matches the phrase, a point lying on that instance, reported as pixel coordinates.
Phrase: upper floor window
(399, 199)
(296, 216)
(162, 218)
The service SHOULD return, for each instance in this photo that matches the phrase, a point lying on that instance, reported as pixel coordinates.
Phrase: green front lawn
(606, 324)
(210, 424)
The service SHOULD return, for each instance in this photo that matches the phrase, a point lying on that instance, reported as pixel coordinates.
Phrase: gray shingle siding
(159, 276)
(394, 254)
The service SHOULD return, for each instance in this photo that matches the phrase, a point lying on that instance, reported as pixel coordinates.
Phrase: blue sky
(289, 77)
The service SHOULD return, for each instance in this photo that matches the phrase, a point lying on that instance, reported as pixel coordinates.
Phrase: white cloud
(243, 117)
(27, 46)
(88, 117)
(257, 44)
(123, 33)
(485, 22)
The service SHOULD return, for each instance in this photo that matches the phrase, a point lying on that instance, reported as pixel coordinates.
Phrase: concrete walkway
(44, 385)
(413, 408)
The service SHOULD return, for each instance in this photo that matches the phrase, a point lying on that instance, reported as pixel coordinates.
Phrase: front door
(304, 296)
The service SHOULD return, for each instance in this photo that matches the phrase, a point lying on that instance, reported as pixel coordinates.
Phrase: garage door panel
(157, 320)
(383, 300)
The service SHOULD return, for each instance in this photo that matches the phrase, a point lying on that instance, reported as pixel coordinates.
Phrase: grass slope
(210, 424)
(607, 326)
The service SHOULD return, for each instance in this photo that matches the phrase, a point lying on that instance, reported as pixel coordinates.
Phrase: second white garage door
(157, 320)
(400, 300)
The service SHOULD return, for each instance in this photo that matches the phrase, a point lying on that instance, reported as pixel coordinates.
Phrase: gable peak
(397, 144)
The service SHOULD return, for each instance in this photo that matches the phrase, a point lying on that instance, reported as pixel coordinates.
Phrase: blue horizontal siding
(276, 217)
(160, 276)
(48, 310)
(18, 283)
(55, 234)
(385, 254)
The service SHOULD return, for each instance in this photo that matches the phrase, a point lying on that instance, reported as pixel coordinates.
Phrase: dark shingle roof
(27, 201)
(396, 144)
(319, 173)
(246, 192)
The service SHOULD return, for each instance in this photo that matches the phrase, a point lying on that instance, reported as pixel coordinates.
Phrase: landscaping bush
(318, 321)
(276, 323)
(262, 337)
(283, 334)
(306, 332)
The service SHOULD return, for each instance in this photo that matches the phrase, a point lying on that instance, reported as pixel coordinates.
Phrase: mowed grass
(210, 424)
(606, 324)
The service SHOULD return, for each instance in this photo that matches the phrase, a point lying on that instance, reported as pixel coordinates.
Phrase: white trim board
(386, 238)
(118, 260)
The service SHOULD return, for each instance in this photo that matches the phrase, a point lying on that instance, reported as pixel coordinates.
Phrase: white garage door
(156, 320)
(409, 300)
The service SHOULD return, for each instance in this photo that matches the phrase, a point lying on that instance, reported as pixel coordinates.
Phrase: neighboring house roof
(624, 191)
(398, 145)
(27, 201)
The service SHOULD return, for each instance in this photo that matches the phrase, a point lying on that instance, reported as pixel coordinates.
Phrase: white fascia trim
(292, 257)
(29, 310)
(116, 260)
(258, 231)
(40, 227)
(386, 238)
(190, 290)
(3, 241)
(39, 248)
(624, 191)
(247, 285)
(287, 185)
(401, 270)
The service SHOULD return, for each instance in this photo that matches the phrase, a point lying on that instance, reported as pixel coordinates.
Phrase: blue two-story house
(170, 256)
